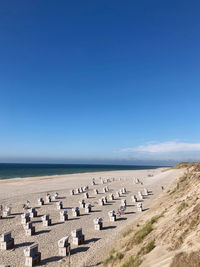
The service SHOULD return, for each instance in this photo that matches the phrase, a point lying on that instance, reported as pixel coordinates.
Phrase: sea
(16, 170)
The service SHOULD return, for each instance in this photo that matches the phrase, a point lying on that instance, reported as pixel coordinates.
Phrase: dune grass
(150, 246)
(186, 165)
(139, 236)
(127, 232)
(113, 256)
(142, 233)
(181, 207)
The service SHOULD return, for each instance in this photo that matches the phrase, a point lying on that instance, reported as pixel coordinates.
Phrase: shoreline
(19, 171)
(41, 177)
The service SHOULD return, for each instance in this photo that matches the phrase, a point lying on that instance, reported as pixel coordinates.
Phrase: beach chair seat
(98, 223)
(64, 246)
(6, 241)
(77, 237)
(32, 255)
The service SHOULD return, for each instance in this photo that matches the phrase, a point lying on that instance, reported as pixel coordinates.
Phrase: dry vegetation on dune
(171, 226)
(187, 165)
(184, 259)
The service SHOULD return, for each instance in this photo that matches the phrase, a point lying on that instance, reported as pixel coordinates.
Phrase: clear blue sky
(98, 81)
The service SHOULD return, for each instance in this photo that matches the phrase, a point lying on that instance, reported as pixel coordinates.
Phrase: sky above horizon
(99, 81)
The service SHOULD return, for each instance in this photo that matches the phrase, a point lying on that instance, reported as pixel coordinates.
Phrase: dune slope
(169, 233)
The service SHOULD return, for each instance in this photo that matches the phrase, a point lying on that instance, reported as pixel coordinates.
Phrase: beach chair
(26, 206)
(123, 190)
(123, 202)
(146, 192)
(29, 229)
(6, 241)
(101, 202)
(48, 198)
(77, 191)
(64, 246)
(40, 201)
(75, 212)
(25, 217)
(112, 216)
(77, 237)
(88, 208)
(98, 223)
(139, 206)
(82, 203)
(140, 195)
(133, 198)
(59, 205)
(32, 256)
(46, 221)
(7, 210)
(118, 194)
(55, 196)
(96, 191)
(63, 216)
(111, 197)
(32, 212)
(86, 195)
(105, 199)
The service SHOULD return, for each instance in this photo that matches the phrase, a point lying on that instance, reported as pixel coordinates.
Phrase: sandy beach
(16, 191)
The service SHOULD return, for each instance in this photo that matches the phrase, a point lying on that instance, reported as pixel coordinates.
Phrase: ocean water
(15, 170)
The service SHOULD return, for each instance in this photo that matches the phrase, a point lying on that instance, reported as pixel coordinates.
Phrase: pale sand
(17, 191)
